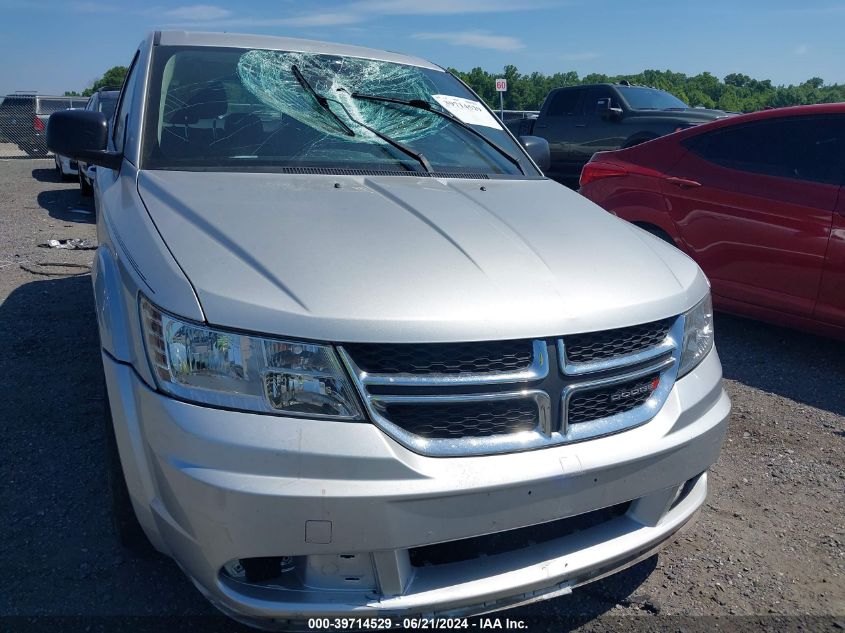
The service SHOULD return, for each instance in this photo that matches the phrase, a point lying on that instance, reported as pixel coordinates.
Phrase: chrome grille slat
(464, 419)
(589, 405)
(443, 358)
(536, 369)
(594, 352)
(407, 405)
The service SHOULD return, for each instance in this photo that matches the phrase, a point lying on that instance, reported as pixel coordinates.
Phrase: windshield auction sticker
(468, 111)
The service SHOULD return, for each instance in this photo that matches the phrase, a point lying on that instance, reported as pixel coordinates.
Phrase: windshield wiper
(320, 99)
(324, 102)
(419, 157)
(421, 104)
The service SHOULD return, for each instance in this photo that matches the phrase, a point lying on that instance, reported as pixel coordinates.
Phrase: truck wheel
(84, 187)
(636, 139)
(124, 523)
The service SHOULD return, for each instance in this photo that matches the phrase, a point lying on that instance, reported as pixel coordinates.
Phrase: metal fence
(510, 115)
(23, 122)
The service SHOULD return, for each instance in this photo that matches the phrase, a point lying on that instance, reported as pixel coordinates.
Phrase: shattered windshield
(261, 110)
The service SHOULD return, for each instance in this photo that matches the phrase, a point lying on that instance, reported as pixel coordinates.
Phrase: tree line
(735, 93)
(112, 79)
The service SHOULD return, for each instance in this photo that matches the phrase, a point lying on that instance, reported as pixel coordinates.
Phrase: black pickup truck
(581, 120)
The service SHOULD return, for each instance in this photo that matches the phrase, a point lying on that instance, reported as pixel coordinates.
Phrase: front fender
(109, 305)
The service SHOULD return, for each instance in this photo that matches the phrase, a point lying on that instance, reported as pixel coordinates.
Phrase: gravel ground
(766, 552)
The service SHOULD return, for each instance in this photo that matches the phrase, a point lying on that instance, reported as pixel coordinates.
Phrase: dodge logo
(635, 391)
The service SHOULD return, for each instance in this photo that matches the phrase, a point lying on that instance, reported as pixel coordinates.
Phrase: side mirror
(538, 150)
(82, 135)
(607, 111)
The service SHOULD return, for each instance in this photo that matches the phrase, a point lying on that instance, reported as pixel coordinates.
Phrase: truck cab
(579, 121)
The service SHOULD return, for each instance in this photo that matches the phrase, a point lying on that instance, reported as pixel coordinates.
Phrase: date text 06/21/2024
(487, 623)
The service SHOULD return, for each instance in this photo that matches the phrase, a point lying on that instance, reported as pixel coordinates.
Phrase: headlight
(236, 371)
(698, 335)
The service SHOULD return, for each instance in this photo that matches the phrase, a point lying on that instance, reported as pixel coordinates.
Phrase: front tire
(85, 187)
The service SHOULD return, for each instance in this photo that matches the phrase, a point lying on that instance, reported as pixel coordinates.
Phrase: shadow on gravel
(60, 557)
(802, 367)
(67, 205)
(45, 174)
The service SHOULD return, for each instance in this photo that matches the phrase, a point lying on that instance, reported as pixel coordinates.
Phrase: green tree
(112, 79)
(737, 92)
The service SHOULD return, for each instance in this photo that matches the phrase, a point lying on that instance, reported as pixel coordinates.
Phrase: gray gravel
(767, 551)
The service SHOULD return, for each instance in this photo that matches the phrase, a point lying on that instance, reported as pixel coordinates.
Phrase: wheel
(636, 139)
(85, 187)
(124, 522)
(657, 232)
(62, 175)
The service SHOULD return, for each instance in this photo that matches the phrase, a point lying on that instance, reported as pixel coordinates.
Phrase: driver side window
(565, 103)
(594, 95)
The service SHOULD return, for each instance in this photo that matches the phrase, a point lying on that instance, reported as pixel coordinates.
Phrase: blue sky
(52, 46)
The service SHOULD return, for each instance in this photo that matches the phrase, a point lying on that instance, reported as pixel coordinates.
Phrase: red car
(757, 200)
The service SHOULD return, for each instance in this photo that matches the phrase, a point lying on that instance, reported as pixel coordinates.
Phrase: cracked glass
(236, 109)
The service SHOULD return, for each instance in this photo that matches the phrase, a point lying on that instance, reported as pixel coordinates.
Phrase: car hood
(410, 259)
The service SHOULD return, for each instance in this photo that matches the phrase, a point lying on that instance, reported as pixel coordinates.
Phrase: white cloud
(577, 57)
(366, 10)
(357, 12)
(445, 7)
(801, 49)
(318, 19)
(198, 13)
(475, 39)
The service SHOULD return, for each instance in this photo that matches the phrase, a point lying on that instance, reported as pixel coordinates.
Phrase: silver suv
(362, 357)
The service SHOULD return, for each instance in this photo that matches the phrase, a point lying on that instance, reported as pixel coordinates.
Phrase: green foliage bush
(112, 79)
(736, 93)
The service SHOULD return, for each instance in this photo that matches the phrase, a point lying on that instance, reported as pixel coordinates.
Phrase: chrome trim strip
(578, 369)
(668, 371)
(663, 359)
(442, 447)
(593, 385)
(537, 370)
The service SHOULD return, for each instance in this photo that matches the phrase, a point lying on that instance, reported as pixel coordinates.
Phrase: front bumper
(210, 486)
(69, 167)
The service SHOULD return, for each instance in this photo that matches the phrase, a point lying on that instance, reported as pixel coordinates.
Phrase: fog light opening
(259, 570)
(683, 490)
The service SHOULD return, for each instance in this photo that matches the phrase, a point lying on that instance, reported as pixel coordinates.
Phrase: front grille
(608, 344)
(464, 419)
(512, 540)
(442, 358)
(595, 404)
(477, 398)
